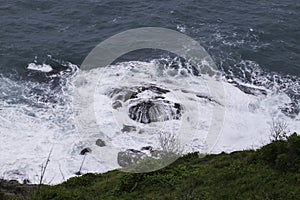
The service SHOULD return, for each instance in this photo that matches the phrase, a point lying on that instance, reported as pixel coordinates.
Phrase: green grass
(272, 172)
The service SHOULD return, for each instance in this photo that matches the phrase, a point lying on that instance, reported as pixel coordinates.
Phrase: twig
(278, 130)
(49, 183)
(61, 172)
(43, 170)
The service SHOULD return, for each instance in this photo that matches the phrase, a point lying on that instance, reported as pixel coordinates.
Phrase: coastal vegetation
(271, 172)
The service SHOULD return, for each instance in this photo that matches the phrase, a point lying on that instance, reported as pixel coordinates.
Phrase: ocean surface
(255, 45)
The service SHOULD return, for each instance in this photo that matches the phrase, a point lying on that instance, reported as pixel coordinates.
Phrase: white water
(31, 127)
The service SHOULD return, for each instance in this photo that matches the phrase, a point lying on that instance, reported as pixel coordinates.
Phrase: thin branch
(169, 143)
(61, 172)
(79, 172)
(43, 170)
(278, 130)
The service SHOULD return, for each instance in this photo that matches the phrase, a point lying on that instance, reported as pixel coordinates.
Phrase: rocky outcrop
(154, 111)
(146, 103)
(130, 157)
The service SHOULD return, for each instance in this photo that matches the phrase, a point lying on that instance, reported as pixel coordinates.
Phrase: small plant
(279, 130)
(169, 143)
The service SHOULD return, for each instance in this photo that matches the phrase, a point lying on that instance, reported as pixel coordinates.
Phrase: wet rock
(154, 89)
(250, 90)
(116, 104)
(26, 181)
(85, 150)
(253, 107)
(140, 112)
(125, 94)
(147, 148)
(122, 94)
(100, 143)
(127, 128)
(130, 157)
(291, 110)
(208, 98)
(159, 97)
(155, 111)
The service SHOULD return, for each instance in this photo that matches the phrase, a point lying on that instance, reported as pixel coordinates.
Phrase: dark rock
(159, 97)
(155, 111)
(208, 98)
(26, 181)
(78, 173)
(248, 89)
(133, 150)
(116, 104)
(100, 143)
(85, 150)
(140, 112)
(127, 128)
(130, 157)
(153, 88)
(148, 148)
(125, 94)
(251, 90)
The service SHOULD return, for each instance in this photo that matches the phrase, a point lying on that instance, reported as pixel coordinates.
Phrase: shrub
(283, 154)
(269, 152)
(2, 196)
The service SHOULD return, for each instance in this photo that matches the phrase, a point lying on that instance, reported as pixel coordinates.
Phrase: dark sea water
(266, 32)
(252, 42)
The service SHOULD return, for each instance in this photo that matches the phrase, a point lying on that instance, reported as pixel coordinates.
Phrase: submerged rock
(291, 110)
(100, 143)
(116, 104)
(248, 89)
(127, 128)
(251, 90)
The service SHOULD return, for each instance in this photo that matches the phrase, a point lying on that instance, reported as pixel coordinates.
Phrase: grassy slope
(273, 172)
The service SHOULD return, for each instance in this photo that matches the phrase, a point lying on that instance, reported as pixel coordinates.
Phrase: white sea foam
(30, 125)
(42, 67)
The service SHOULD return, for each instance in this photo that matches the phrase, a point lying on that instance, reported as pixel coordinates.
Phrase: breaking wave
(134, 103)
